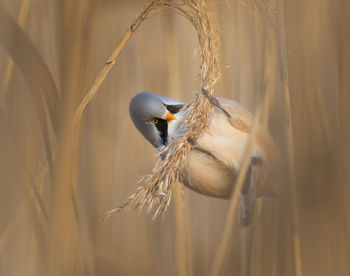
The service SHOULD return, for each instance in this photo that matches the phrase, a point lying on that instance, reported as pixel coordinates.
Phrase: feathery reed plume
(156, 188)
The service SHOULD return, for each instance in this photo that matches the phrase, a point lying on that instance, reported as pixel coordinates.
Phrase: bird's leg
(247, 198)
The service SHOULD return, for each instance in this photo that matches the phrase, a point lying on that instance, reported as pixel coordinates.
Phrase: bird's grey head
(151, 113)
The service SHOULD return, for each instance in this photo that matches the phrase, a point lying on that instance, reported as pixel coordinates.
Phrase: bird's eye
(155, 121)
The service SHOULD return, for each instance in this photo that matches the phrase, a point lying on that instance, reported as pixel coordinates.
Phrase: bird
(215, 157)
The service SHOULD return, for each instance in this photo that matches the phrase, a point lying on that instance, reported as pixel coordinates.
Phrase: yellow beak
(169, 117)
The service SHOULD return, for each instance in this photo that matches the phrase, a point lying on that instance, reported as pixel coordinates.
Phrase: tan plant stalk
(234, 201)
(290, 145)
(21, 19)
(182, 220)
(263, 7)
(181, 251)
(111, 61)
(39, 180)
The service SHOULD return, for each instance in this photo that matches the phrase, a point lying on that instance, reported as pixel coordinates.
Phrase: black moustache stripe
(162, 127)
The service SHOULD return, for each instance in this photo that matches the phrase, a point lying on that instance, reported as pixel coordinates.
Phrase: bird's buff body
(215, 157)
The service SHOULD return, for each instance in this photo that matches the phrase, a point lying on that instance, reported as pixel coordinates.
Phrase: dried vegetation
(63, 164)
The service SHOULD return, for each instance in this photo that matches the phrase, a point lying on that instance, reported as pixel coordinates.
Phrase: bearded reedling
(215, 157)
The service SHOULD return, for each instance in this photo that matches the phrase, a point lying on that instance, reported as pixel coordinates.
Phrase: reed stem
(21, 20)
(111, 61)
(234, 201)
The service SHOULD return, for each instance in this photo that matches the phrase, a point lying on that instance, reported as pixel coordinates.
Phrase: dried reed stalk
(98, 82)
(234, 201)
(183, 244)
(263, 7)
(44, 93)
(156, 188)
(68, 247)
(290, 144)
(21, 20)
(111, 61)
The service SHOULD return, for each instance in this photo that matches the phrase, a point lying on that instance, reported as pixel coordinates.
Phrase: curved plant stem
(111, 61)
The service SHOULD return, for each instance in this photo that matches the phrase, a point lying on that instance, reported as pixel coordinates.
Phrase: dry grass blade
(263, 8)
(290, 145)
(33, 207)
(260, 9)
(22, 18)
(38, 77)
(16, 151)
(30, 63)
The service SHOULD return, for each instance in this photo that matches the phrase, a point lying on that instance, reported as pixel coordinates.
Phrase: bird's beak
(169, 117)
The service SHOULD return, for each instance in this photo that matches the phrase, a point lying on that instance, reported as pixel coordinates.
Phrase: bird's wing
(236, 111)
(263, 140)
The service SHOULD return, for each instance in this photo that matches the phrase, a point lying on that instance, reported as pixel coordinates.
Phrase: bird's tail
(247, 199)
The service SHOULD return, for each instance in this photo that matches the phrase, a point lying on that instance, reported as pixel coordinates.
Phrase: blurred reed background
(51, 212)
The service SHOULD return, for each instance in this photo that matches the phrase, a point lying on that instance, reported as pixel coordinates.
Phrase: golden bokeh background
(51, 212)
